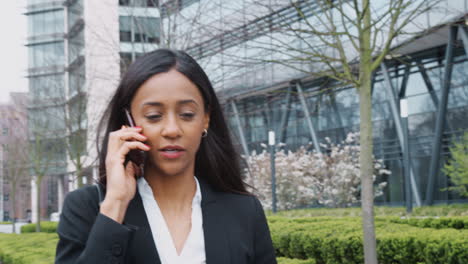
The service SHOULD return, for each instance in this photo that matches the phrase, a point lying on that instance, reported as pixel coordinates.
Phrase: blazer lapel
(216, 241)
(143, 246)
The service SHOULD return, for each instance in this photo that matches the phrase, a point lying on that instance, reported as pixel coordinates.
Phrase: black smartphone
(135, 155)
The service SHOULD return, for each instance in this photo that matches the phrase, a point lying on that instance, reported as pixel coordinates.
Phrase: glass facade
(44, 23)
(139, 29)
(334, 111)
(46, 54)
(47, 62)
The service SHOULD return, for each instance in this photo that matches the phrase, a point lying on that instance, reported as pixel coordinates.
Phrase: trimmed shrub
(339, 240)
(294, 261)
(32, 248)
(46, 227)
(436, 223)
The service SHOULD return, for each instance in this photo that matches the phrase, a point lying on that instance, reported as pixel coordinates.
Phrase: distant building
(77, 50)
(13, 159)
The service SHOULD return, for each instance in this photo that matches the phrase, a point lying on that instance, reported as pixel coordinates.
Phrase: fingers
(133, 169)
(129, 145)
(122, 141)
(118, 137)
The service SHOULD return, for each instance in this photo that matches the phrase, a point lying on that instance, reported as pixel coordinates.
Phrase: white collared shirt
(193, 251)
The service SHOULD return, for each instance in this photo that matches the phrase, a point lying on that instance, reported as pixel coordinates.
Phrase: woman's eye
(188, 115)
(153, 117)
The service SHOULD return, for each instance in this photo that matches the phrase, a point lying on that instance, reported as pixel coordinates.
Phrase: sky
(13, 53)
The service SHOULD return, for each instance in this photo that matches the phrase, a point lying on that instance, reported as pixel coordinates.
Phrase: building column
(429, 86)
(241, 131)
(313, 135)
(399, 128)
(34, 213)
(464, 37)
(285, 117)
(441, 115)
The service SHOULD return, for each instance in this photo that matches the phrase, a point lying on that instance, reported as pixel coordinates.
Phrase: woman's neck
(172, 192)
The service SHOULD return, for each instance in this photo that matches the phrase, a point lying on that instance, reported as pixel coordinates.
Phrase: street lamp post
(406, 154)
(271, 142)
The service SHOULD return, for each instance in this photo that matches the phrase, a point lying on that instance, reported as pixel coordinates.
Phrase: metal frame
(429, 86)
(313, 135)
(285, 116)
(399, 128)
(404, 82)
(464, 37)
(245, 148)
(337, 114)
(441, 111)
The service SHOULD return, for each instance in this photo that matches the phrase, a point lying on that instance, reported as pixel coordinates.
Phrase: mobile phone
(135, 155)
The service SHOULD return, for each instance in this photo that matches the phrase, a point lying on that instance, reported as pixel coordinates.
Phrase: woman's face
(170, 109)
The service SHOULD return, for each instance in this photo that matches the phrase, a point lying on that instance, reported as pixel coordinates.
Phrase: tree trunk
(38, 205)
(365, 159)
(13, 207)
(366, 164)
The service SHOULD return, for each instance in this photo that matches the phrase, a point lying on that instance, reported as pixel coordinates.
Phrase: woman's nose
(171, 128)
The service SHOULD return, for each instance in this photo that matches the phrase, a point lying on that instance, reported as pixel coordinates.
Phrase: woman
(190, 204)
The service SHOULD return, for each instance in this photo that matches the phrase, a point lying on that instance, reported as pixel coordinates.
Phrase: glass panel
(146, 29)
(46, 23)
(125, 28)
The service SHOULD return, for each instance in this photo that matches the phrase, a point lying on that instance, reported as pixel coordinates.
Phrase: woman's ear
(206, 120)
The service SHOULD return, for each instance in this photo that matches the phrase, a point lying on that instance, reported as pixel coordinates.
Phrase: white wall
(102, 61)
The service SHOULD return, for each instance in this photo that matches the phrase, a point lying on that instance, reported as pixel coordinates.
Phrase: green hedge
(307, 240)
(437, 223)
(32, 248)
(295, 261)
(339, 240)
(435, 210)
(46, 227)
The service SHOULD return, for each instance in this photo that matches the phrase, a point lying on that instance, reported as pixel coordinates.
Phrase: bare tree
(340, 40)
(16, 156)
(45, 147)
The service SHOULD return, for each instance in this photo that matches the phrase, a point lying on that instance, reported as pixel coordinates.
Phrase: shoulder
(247, 203)
(79, 211)
(83, 194)
(82, 199)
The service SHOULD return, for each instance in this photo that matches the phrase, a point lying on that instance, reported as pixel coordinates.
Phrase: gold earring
(205, 133)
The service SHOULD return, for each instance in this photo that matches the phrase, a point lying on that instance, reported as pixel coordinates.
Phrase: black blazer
(235, 231)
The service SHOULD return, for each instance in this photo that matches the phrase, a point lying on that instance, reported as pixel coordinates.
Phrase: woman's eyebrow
(180, 102)
(153, 104)
(188, 101)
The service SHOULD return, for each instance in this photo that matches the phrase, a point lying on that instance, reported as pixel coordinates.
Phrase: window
(139, 3)
(124, 2)
(143, 29)
(5, 131)
(6, 197)
(46, 23)
(125, 24)
(6, 216)
(44, 55)
(46, 86)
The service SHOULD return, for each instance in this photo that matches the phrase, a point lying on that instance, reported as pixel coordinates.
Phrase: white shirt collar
(194, 247)
(145, 190)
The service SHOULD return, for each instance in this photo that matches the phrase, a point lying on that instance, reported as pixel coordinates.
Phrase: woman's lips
(172, 154)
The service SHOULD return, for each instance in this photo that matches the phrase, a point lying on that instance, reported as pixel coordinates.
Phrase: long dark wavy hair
(217, 161)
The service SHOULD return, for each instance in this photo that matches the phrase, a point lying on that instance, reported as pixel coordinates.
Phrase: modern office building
(429, 72)
(77, 50)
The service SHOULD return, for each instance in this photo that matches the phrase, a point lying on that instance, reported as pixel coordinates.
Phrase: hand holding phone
(136, 156)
